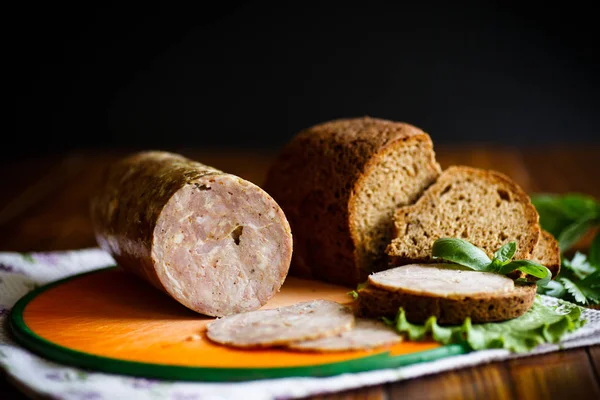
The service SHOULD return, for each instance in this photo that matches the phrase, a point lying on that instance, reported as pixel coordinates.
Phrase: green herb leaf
(578, 281)
(541, 324)
(594, 256)
(574, 232)
(353, 294)
(530, 268)
(590, 287)
(461, 252)
(506, 252)
(579, 265)
(574, 290)
(362, 285)
(552, 288)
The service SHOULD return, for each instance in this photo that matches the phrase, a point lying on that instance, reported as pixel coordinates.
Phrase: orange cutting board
(111, 321)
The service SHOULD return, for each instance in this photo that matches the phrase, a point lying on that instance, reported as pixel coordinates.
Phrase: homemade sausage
(216, 243)
(282, 326)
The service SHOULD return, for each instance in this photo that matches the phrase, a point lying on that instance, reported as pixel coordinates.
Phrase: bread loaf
(339, 184)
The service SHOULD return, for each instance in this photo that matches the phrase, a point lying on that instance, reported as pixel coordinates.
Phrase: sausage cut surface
(440, 280)
(283, 325)
(214, 242)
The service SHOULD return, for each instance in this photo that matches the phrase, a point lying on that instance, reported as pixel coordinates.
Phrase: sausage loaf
(214, 242)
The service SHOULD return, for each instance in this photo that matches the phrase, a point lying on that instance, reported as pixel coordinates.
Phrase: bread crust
(547, 253)
(451, 310)
(315, 179)
(524, 247)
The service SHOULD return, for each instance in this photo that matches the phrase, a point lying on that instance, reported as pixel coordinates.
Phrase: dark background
(251, 75)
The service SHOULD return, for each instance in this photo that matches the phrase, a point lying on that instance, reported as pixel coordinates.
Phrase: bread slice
(547, 253)
(446, 292)
(339, 184)
(484, 207)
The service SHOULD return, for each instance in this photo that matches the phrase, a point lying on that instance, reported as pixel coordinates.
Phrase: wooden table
(44, 206)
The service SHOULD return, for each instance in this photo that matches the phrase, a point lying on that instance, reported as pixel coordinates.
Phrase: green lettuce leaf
(541, 324)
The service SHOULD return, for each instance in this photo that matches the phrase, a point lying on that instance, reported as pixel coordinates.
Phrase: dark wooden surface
(44, 206)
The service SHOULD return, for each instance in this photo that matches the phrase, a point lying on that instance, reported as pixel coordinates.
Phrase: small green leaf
(461, 252)
(594, 256)
(590, 287)
(552, 288)
(530, 268)
(574, 232)
(353, 294)
(362, 285)
(495, 266)
(579, 265)
(506, 252)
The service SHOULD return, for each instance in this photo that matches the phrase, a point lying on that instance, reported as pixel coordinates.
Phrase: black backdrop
(252, 75)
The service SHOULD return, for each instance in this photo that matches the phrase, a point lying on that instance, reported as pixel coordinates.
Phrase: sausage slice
(281, 326)
(366, 334)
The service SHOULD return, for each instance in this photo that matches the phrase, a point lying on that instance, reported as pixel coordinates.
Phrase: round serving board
(109, 320)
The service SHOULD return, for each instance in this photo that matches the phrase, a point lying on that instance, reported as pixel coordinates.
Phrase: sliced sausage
(366, 334)
(281, 326)
(443, 280)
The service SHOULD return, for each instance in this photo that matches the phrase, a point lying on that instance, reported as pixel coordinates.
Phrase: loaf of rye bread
(339, 184)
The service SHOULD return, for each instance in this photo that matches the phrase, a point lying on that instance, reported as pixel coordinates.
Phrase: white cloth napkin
(21, 273)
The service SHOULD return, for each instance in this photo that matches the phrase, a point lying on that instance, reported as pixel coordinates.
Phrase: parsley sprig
(464, 253)
(569, 218)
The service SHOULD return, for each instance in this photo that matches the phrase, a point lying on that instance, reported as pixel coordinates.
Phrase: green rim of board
(29, 339)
